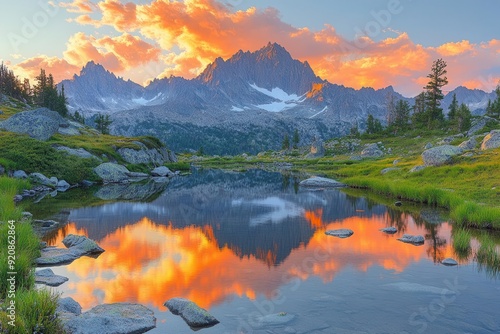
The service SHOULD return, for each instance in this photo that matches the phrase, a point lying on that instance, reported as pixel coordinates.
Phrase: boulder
(440, 155)
(68, 305)
(371, 151)
(77, 152)
(321, 182)
(387, 170)
(53, 256)
(112, 173)
(480, 124)
(449, 262)
(317, 150)
(62, 186)
(162, 171)
(192, 314)
(81, 245)
(47, 277)
(40, 123)
(412, 239)
(144, 155)
(119, 318)
(43, 180)
(274, 320)
(492, 140)
(417, 169)
(469, 144)
(428, 146)
(341, 233)
(20, 174)
(389, 230)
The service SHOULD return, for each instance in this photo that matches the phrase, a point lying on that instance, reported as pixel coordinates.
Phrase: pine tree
(401, 115)
(286, 142)
(296, 139)
(462, 120)
(418, 118)
(438, 79)
(373, 125)
(102, 123)
(453, 108)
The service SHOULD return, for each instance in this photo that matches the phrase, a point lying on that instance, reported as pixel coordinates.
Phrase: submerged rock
(119, 318)
(192, 314)
(47, 277)
(389, 230)
(412, 239)
(131, 191)
(321, 182)
(341, 233)
(449, 262)
(278, 319)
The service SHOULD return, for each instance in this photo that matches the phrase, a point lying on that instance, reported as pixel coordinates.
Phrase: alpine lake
(248, 245)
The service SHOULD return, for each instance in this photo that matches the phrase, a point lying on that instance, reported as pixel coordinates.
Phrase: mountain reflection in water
(215, 236)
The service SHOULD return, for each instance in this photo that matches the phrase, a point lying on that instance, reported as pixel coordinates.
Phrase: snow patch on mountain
(284, 100)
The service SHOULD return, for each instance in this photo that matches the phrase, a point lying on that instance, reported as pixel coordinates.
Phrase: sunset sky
(355, 43)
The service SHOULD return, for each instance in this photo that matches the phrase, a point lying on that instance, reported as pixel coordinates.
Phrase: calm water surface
(245, 245)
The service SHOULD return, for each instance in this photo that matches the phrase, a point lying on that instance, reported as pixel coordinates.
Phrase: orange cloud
(191, 34)
(78, 6)
(116, 54)
(455, 49)
(59, 68)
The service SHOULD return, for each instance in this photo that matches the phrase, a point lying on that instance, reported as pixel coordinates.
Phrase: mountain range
(246, 103)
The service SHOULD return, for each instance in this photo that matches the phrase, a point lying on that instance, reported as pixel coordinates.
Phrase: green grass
(35, 313)
(461, 243)
(179, 166)
(488, 257)
(35, 309)
(31, 155)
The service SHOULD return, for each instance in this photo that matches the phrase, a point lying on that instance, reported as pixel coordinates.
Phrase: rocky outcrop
(145, 155)
(53, 256)
(77, 152)
(77, 246)
(192, 314)
(162, 171)
(492, 140)
(480, 124)
(43, 180)
(469, 144)
(321, 182)
(112, 173)
(417, 169)
(40, 123)
(440, 155)
(317, 150)
(81, 245)
(340, 233)
(47, 277)
(371, 151)
(119, 318)
(412, 239)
